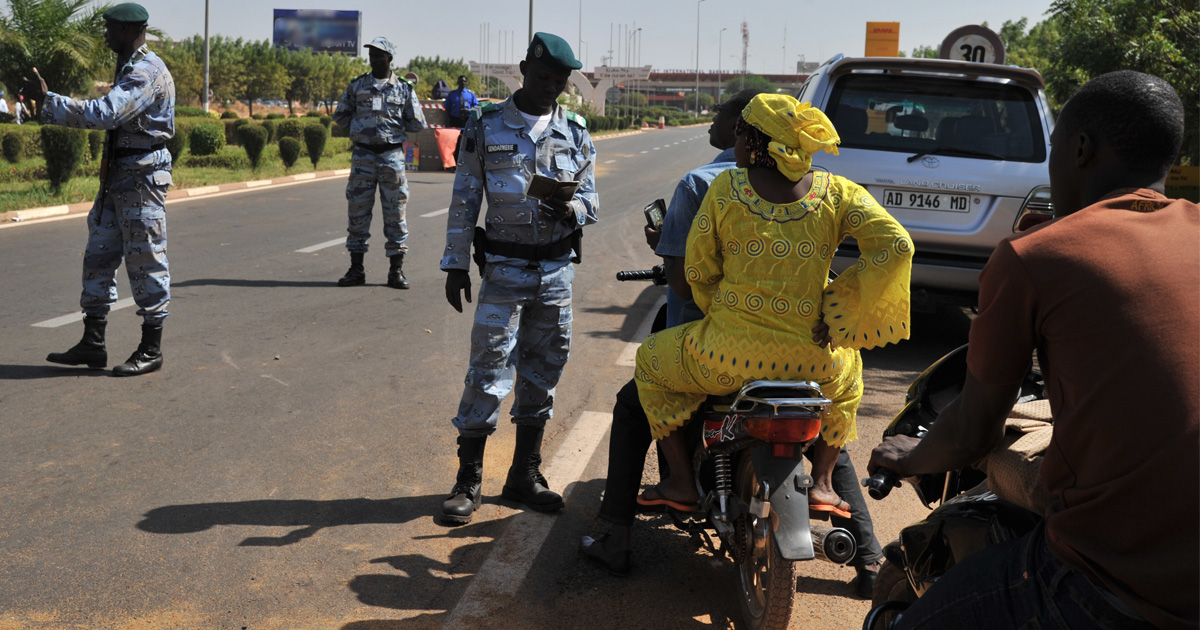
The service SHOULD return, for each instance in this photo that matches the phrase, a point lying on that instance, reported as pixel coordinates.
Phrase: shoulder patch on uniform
(575, 118)
(478, 112)
(410, 83)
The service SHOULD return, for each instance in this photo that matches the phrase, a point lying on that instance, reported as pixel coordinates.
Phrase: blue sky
(453, 29)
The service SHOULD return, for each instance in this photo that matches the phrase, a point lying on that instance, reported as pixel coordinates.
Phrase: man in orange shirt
(1108, 294)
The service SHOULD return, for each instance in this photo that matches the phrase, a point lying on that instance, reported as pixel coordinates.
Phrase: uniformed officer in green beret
(522, 331)
(129, 218)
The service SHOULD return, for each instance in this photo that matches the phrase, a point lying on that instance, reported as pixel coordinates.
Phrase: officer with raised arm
(522, 323)
(129, 218)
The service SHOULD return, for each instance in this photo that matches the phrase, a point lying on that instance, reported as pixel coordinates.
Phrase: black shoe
(593, 550)
(459, 508)
(396, 278)
(525, 483)
(356, 275)
(148, 356)
(864, 585)
(90, 350)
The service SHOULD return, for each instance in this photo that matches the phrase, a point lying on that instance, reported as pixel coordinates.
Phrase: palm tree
(63, 39)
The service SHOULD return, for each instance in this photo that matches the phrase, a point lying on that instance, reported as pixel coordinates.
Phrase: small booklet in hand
(547, 188)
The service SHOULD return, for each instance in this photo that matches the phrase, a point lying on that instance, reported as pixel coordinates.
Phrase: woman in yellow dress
(757, 260)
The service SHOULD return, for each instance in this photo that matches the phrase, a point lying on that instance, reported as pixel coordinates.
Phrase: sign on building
(619, 73)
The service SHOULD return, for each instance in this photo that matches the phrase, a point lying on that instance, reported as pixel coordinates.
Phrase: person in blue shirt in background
(459, 104)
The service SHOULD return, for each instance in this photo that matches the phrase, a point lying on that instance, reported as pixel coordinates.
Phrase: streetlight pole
(720, 41)
(530, 23)
(205, 98)
(696, 94)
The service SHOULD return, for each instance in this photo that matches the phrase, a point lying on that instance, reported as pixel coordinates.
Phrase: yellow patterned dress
(759, 272)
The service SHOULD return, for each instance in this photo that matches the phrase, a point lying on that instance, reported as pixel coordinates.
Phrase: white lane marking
(629, 354)
(609, 161)
(436, 213)
(645, 152)
(657, 148)
(512, 555)
(273, 379)
(75, 317)
(320, 246)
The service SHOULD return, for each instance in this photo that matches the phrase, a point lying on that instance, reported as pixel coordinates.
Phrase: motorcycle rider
(1108, 294)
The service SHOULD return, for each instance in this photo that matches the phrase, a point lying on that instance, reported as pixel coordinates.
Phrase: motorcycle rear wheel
(768, 582)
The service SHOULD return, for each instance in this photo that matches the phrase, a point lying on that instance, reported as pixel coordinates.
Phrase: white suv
(952, 149)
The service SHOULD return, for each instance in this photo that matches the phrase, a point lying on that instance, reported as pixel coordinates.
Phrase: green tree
(186, 70)
(689, 101)
(749, 82)
(430, 71)
(1035, 49)
(265, 76)
(61, 38)
(303, 75)
(1157, 37)
(923, 52)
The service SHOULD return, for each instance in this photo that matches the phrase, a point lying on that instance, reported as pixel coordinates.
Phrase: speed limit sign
(973, 43)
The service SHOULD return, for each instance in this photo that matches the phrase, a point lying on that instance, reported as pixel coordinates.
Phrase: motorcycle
(749, 470)
(969, 517)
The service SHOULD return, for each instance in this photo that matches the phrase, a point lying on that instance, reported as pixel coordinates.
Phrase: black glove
(457, 281)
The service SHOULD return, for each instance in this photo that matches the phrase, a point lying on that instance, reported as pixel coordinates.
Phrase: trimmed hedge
(13, 146)
(229, 114)
(30, 135)
(289, 151)
(326, 121)
(177, 144)
(182, 111)
(275, 116)
(63, 148)
(206, 139)
(253, 138)
(257, 116)
(291, 128)
(229, 158)
(314, 139)
(95, 141)
(270, 125)
(312, 113)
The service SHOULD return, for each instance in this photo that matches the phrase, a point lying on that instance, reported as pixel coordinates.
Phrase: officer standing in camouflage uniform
(129, 217)
(523, 320)
(380, 110)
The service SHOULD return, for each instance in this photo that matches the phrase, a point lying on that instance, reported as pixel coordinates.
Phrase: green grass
(23, 185)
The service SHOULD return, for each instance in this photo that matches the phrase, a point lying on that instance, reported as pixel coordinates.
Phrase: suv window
(987, 120)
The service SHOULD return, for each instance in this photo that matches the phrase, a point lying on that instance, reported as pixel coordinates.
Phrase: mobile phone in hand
(655, 213)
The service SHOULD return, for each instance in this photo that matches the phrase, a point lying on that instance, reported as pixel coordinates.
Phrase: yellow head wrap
(797, 131)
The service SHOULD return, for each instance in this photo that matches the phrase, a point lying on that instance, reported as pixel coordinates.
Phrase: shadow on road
(237, 282)
(29, 372)
(309, 517)
(634, 315)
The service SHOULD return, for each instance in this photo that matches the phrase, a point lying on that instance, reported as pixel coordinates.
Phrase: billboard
(883, 39)
(323, 31)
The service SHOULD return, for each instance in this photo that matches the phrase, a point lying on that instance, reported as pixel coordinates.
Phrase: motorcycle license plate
(912, 200)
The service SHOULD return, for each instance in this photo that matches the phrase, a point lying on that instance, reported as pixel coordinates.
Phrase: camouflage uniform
(378, 134)
(129, 216)
(524, 306)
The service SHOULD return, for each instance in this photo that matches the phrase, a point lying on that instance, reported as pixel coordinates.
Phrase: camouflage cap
(382, 44)
(552, 51)
(130, 12)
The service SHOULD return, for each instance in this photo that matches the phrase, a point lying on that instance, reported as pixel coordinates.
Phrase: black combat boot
(90, 350)
(525, 483)
(148, 356)
(396, 278)
(356, 275)
(464, 498)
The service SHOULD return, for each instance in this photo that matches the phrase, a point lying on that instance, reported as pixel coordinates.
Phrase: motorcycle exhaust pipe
(833, 544)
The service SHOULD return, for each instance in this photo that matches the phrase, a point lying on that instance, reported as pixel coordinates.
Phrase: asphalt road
(283, 468)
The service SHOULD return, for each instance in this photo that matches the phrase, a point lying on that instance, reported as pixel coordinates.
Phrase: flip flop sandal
(648, 501)
(824, 510)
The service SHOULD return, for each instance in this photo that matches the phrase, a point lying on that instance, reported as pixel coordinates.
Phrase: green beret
(131, 12)
(554, 52)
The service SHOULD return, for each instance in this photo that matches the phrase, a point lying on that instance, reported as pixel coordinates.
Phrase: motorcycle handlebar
(881, 483)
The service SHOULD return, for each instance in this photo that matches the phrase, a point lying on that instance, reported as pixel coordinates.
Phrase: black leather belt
(379, 148)
(530, 252)
(124, 152)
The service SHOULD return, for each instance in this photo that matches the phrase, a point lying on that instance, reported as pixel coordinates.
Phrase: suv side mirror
(1036, 209)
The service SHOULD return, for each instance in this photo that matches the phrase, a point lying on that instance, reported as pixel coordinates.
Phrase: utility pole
(530, 23)
(720, 40)
(205, 98)
(697, 92)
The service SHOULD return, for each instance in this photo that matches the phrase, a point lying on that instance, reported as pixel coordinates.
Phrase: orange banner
(883, 39)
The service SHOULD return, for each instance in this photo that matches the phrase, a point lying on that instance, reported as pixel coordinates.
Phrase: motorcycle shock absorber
(724, 482)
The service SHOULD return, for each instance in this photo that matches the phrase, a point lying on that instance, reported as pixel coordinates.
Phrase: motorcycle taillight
(783, 430)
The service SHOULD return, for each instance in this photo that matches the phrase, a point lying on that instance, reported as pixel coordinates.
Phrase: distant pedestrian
(379, 109)
(129, 218)
(459, 103)
(3, 103)
(20, 110)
